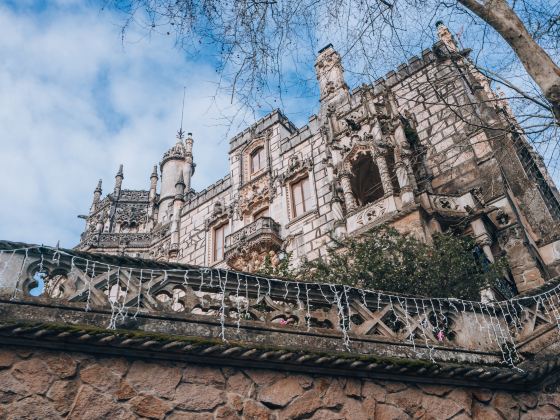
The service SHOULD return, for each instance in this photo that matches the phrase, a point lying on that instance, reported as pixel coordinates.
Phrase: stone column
(407, 195)
(349, 199)
(384, 173)
(482, 238)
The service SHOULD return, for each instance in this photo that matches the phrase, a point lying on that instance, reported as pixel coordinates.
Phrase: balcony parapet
(202, 302)
(246, 248)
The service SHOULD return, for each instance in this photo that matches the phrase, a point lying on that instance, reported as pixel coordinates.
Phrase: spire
(154, 173)
(96, 197)
(330, 74)
(118, 181)
(446, 37)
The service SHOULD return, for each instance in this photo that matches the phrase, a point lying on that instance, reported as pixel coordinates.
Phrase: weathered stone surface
(7, 358)
(32, 408)
(157, 378)
(353, 388)
(324, 414)
(91, 404)
(235, 401)
(253, 410)
(118, 365)
(506, 405)
(178, 415)
(484, 412)
(61, 364)
(441, 408)
(546, 412)
(226, 412)
(203, 375)
(264, 377)
(280, 393)
(198, 397)
(355, 410)
(482, 394)
(150, 406)
(62, 394)
(373, 390)
(34, 374)
(241, 384)
(100, 378)
(125, 391)
(438, 390)
(11, 388)
(389, 412)
(305, 405)
(409, 400)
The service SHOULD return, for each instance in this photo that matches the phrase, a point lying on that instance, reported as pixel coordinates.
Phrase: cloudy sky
(76, 101)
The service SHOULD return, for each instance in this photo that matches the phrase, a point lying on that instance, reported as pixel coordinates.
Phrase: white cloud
(76, 102)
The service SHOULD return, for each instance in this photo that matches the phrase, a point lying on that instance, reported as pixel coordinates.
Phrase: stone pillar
(407, 196)
(482, 238)
(384, 173)
(524, 269)
(349, 199)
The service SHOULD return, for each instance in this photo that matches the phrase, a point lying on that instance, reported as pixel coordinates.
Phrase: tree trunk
(536, 61)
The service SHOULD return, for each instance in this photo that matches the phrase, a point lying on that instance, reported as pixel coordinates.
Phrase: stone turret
(172, 164)
(118, 182)
(96, 197)
(330, 75)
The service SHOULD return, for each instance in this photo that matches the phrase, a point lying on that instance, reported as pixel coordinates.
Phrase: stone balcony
(246, 248)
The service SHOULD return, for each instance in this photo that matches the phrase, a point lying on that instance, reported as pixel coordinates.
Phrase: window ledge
(301, 217)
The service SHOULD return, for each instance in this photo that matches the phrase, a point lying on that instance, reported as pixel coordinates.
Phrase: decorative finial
(120, 172)
(154, 172)
(98, 188)
(180, 134)
(446, 37)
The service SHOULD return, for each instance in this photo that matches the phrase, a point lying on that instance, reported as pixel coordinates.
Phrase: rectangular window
(301, 197)
(257, 159)
(220, 234)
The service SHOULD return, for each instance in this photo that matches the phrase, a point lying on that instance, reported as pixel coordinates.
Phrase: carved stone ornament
(253, 195)
(131, 214)
(372, 213)
(296, 167)
(178, 151)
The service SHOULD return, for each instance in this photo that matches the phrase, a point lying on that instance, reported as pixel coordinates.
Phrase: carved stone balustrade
(246, 249)
(209, 303)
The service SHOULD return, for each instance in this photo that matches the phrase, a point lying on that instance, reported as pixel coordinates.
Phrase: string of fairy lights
(424, 322)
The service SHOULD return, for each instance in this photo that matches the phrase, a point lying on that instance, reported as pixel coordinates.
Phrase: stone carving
(253, 195)
(372, 213)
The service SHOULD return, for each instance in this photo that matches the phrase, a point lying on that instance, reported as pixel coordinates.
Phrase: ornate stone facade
(400, 151)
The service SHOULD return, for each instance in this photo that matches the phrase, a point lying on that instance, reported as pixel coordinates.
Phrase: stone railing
(265, 226)
(234, 301)
(114, 240)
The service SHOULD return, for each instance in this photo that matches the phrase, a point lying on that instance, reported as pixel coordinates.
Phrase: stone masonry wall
(37, 384)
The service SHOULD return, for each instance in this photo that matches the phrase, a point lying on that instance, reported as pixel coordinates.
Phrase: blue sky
(77, 101)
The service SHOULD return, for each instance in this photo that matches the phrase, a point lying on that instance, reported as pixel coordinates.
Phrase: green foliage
(282, 269)
(382, 259)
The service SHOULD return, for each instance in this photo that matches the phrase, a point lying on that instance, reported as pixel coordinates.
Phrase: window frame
(257, 153)
(223, 227)
(300, 182)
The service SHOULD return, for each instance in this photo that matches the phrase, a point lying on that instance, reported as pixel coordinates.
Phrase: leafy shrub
(383, 259)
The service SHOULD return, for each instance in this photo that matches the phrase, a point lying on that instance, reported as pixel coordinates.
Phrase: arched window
(366, 181)
(257, 159)
(301, 197)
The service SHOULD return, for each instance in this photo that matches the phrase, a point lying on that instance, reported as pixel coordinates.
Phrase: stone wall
(37, 384)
